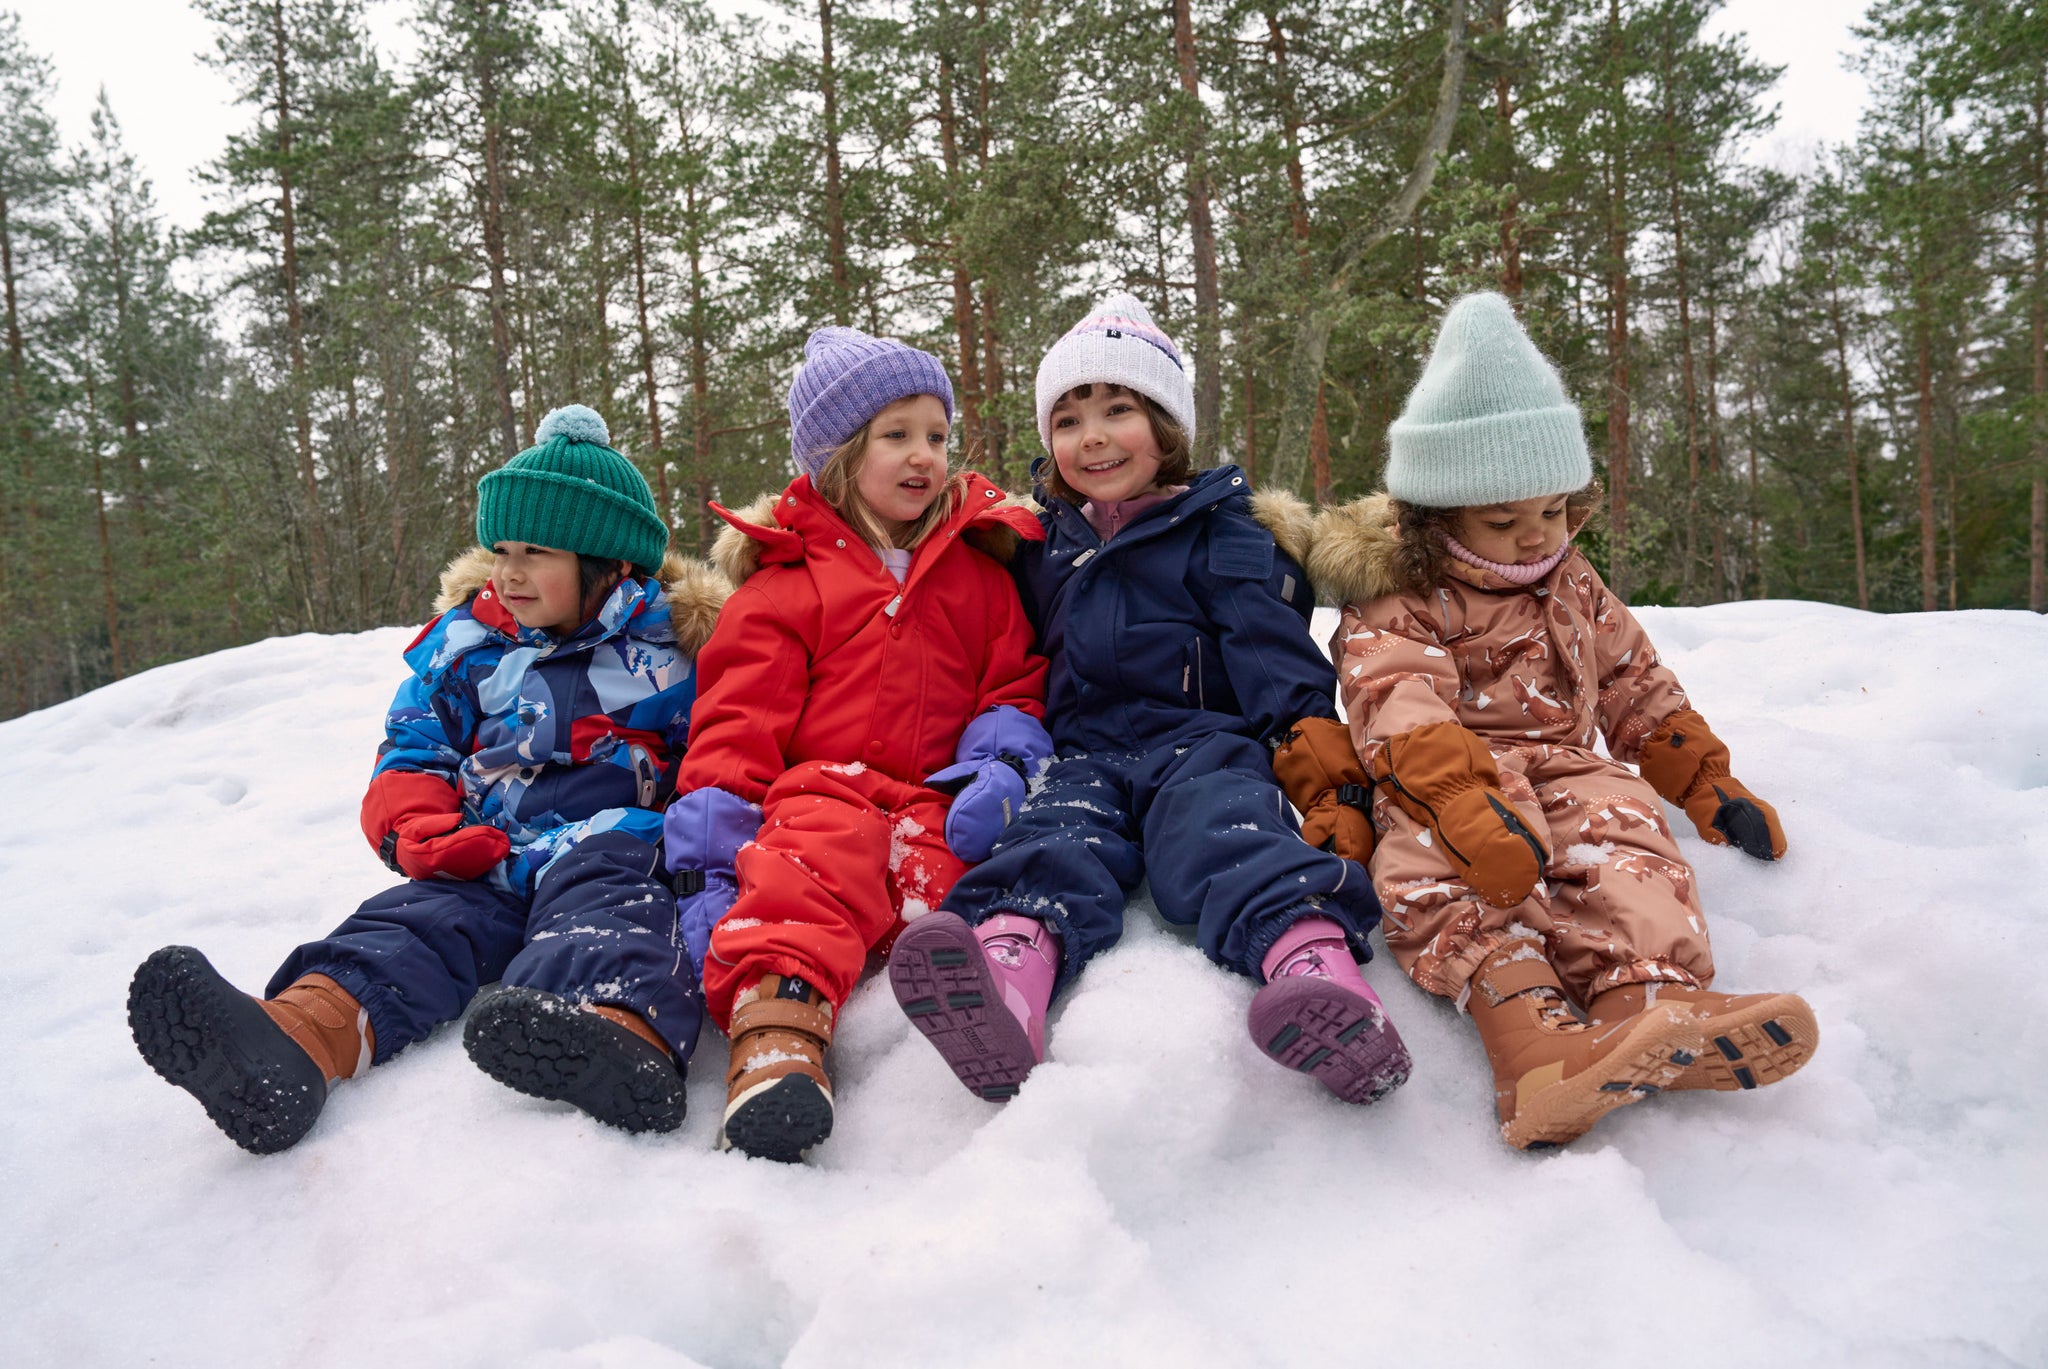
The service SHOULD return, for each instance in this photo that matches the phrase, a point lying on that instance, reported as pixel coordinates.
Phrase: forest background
(1827, 383)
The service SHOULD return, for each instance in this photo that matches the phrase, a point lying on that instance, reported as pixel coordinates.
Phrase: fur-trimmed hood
(695, 592)
(1350, 554)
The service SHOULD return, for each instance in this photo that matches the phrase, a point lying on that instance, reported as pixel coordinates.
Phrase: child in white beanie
(1176, 627)
(1481, 658)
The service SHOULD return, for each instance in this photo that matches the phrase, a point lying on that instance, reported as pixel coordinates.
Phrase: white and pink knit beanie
(1117, 344)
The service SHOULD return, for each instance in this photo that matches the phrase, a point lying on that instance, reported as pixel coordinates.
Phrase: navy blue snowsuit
(1179, 653)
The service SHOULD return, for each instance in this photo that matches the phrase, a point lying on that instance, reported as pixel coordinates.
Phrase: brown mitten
(1685, 762)
(1319, 768)
(1444, 776)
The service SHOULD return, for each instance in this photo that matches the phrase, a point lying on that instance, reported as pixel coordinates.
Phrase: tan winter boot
(1553, 1075)
(325, 1021)
(261, 1069)
(778, 1100)
(1752, 1039)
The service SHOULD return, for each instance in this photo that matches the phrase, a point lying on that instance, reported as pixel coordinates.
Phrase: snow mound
(1159, 1193)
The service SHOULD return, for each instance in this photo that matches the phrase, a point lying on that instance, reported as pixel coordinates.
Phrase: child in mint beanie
(1483, 664)
(518, 792)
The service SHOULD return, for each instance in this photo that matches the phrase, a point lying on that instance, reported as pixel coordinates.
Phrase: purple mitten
(999, 749)
(701, 834)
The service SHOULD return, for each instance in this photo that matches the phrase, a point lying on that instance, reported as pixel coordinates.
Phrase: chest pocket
(1240, 552)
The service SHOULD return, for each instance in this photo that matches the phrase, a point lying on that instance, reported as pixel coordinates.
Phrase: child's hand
(996, 752)
(1685, 762)
(1444, 776)
(415, 822)
(1319, 768)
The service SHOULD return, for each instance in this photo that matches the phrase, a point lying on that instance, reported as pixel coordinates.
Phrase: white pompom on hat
(1117, 344)
(1488, 422)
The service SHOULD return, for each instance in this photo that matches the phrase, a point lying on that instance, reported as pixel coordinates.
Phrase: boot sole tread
(1752, 1047)
(208, 1038)
(1320, 1028)
(779, 1120)
(544, 1046)
(944, 986)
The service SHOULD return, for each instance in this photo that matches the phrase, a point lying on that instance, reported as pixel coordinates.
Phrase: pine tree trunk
(1510, 207)
(639, 223)
(491, 207)
(1618, 455)
(700, 380)
(835, 193)
(1849, 436)
(1689, 392)
(295, 332)
(1297, 212)
(1208, 317)
(99, 505)
(963, 286)
(1923, 355)
(2037, 541)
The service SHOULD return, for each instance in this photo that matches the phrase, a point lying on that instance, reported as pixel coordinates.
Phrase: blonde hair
(1176, 453)
(835, 482)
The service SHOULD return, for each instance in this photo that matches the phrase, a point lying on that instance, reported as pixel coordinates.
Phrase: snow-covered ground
(1159, 1194)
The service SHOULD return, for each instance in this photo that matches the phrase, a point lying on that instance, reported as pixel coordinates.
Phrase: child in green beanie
(1481, 661)
(525, 764)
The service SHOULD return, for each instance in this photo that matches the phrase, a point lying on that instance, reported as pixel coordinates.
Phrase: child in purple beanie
(870, 709)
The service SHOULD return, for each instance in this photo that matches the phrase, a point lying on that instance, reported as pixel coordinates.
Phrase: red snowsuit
(827, 694)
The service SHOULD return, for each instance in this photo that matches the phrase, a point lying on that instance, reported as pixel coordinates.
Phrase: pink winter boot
(979, 994)
(1317, 1014)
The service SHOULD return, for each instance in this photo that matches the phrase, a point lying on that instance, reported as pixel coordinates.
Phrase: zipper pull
(894, 604)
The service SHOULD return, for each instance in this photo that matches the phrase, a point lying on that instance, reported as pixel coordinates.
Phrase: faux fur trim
(695, 592)
(737, 555)
(463, 577)
(1351, 550)
(1289, 518)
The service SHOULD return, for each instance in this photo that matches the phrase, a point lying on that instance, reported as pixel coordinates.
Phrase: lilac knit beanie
(1117, 344)
(848, 378)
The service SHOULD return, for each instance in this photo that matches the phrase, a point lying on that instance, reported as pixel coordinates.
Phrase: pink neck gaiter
(1514, 575)
(1110, 519)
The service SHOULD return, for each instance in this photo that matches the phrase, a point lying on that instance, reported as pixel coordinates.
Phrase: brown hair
(835, 482)
(1419, 560)
(1176, 454)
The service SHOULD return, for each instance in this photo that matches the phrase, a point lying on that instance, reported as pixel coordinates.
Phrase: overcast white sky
(177, 112)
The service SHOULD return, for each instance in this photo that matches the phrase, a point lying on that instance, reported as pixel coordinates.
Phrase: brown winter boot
(325, 1021)
(778, 1100)
(1553, 1075)
(1752, 1039)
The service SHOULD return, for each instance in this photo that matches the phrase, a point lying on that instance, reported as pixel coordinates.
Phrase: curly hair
(1176, 453)
(1421, 555)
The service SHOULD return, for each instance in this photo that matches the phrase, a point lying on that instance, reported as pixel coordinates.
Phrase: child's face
(1516, 534)
(904, 466)
(540, 586)
(1104, 444)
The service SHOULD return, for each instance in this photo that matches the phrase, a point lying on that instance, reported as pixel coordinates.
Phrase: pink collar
(1110, 519)
(1514, 575)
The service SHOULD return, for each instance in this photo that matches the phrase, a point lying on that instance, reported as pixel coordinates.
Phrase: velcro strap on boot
(1515, 968)
(783, 1014)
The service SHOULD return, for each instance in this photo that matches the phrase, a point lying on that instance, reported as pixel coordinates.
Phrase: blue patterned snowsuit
(1179, 652)
(569, 746)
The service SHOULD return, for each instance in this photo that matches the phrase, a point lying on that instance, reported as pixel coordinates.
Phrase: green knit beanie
(1488, 422)
(571, 491)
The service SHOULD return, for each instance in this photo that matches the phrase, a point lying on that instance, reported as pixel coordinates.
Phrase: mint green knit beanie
(571, 491)
(1488, 422)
